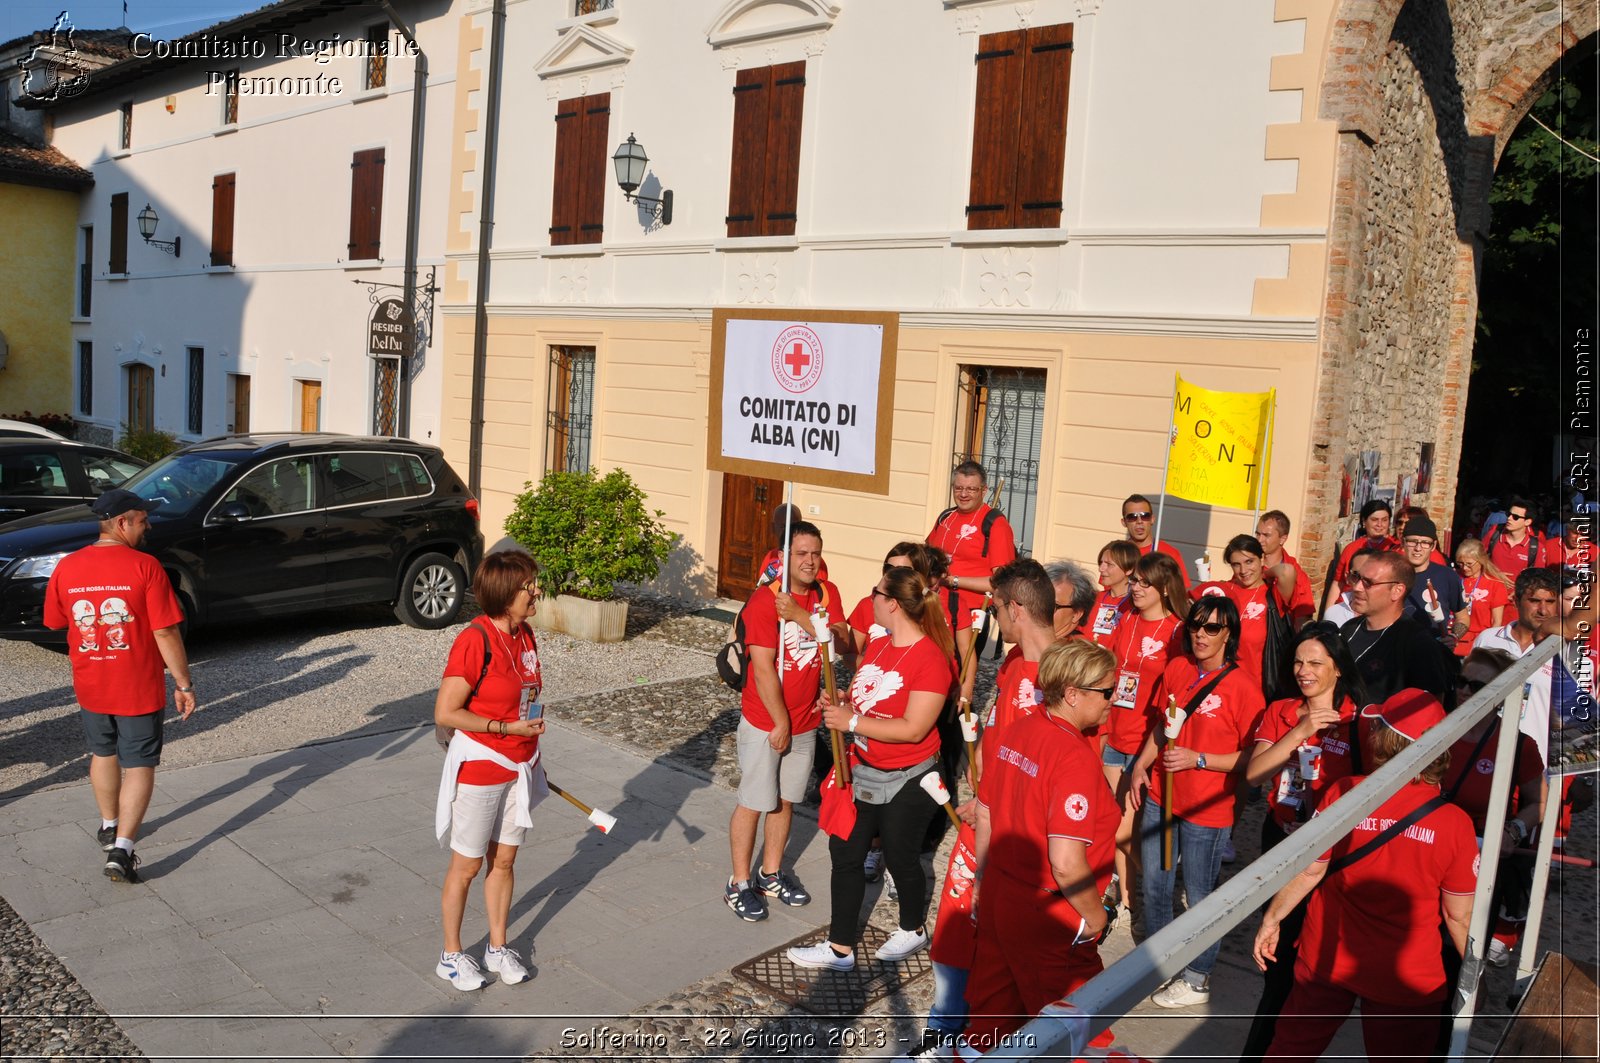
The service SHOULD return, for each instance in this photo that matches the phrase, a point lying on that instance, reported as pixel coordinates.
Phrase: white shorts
(480, 813)
(765, 774)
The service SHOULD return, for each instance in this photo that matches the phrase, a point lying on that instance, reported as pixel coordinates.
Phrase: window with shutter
(230, 98)
(1019, 138)
(366, 203)
(125, 138)
(764, 174)
(222, 220)
(119, 234)
(583, 156)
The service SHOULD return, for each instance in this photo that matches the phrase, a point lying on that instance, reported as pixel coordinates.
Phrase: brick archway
(1408, 220)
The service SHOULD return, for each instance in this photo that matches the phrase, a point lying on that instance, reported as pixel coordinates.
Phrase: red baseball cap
(1410, 712)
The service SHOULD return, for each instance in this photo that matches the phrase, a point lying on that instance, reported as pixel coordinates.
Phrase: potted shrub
(588, 532)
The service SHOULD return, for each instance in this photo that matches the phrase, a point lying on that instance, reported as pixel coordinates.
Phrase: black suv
(264, 525)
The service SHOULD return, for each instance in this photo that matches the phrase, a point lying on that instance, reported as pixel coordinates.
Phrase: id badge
(1127, 689)
(1105, 621)
(528, 706)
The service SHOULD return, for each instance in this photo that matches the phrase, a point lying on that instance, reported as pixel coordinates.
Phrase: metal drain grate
(834, 993)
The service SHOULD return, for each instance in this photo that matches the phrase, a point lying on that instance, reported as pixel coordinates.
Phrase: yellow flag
(1221, 446)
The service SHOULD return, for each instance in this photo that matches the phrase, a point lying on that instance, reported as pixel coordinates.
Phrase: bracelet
(184, 690)
(855, 719)
(955, 581)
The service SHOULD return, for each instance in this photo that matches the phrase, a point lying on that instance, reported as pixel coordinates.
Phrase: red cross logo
(797, 359)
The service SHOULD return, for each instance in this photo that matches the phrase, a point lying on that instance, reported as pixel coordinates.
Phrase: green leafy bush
(146, 444)
(59, 423)
(588, 532)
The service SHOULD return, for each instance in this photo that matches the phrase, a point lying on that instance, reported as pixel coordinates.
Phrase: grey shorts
(134, 740)
(765, 774)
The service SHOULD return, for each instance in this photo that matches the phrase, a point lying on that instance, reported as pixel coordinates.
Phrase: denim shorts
(1111, 758)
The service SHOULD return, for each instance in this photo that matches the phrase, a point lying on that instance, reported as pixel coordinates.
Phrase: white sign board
(803, 398)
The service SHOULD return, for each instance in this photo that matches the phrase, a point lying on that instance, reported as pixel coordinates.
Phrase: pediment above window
(747, 21)
(582, 48)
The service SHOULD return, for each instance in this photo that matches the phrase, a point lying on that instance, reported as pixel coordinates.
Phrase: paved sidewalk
(291, 903)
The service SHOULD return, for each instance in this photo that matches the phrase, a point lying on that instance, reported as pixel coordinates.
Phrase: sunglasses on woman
(1209, 627)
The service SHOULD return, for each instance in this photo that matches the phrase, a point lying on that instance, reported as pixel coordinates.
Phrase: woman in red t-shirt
(490, 698)
(1372, 925)
(1303, 746)
(1046, 834)
(1486, 589)
(1118, 559)
(1145, 639)
(889, 719)
(1205, 753)
(1254, 597)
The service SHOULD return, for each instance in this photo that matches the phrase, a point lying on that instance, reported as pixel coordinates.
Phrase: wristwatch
(1200, 761)
(184, 690)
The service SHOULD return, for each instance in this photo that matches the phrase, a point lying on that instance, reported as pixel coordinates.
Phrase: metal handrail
(1064, 1029)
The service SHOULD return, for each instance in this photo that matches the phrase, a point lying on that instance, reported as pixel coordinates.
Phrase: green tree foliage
(589, 532)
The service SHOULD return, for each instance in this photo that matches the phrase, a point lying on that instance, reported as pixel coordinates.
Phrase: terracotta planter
(582, 618)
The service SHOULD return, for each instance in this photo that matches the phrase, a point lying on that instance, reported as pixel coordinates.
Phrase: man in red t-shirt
(977, 539)
(1138, 516)
(1376, 517)
(778, 728)
(124, 617)
(1280, 567)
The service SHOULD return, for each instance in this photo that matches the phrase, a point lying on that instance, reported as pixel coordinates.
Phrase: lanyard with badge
(525, 664)
(1127, 693)
(1105, 618)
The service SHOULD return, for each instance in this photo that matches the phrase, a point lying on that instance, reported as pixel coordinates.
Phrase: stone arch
(1424, 95)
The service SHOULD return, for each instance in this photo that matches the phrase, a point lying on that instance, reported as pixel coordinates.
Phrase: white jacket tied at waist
(529, 790)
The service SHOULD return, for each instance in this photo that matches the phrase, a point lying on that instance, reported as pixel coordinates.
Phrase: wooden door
(310, 405)
(141, 398)
(747, 505)
(239, 404)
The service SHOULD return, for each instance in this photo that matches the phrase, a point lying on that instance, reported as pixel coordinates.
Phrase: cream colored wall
(1106, 412)
(36, 263)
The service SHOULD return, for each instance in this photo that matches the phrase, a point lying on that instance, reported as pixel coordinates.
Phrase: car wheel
(431, 593)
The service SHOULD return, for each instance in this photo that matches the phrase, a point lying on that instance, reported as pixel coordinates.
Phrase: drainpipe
(486, 187)
(419, 90)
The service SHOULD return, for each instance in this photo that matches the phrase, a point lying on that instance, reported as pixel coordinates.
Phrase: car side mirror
(233, 513)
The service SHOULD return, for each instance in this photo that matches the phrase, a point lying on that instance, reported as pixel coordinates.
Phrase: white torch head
(978, 617)
(935, 787)
(969, 727)
(820, 625)
(603, 821)
(1174, 720)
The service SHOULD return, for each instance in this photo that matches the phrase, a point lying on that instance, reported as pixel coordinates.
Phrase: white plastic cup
(935, 788)
(1310, 763)
(969, 727)
(1175, 717)
(1202, 568)
(978, 618)
(604, 821)
(820, 625)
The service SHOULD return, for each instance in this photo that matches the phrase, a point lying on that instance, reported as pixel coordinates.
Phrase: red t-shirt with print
(1142, 648)
(861, 620)
(1484, 595)
(881, 690)
(513, 664)
(1042, 780)
(1472, 771)
(1225, 722)
(1016, 690)
(1253, 604)
(1108, 612)
(1361, 542)
(800, 663)
(960, 536)
(1291, 796)
(114, 598)
(1372, 927)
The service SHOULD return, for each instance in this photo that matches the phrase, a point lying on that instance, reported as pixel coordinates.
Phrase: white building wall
(287, 309)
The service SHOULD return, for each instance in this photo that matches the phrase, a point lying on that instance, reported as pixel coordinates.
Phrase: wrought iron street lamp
(631, 161)
(148, 220)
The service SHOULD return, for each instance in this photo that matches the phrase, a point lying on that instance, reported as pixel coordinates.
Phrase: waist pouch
(878, 786)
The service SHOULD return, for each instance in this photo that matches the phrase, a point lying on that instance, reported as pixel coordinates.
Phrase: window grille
(197, 390)
(589, 7)
(377, 56)
(385, 396)
(85, 378)
(571, 414)
(1000, 425)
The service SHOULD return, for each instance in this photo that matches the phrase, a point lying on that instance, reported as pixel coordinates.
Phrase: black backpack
(733, 660)
(444, 734)
(1499, 533)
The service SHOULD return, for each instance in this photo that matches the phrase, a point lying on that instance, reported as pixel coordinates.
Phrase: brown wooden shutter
(366, 203)
(222, 220)
(119, 233)
(996, 117)
(594, 159)
(1042, 144)
(565, 202)
(752, 91)
(787, 101)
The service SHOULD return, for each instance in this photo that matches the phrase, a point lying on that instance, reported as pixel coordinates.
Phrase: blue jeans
(1201, 850)
(948, 1012)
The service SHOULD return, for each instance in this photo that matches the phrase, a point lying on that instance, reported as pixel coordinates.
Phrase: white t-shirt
(1536, 691)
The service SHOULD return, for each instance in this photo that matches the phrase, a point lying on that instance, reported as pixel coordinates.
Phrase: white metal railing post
(1541, 881)
(1064, 1029)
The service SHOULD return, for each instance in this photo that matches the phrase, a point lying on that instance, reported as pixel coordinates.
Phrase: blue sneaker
(784, 886)
(746, 903)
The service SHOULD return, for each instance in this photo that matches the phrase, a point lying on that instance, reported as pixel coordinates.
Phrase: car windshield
(182, 481)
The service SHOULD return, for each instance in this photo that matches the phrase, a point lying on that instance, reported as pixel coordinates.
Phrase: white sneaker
(901, 943)
(1178, 993)
(505, 963)
(460, 970)
(1499, 955)
(890, 890)
(821, 955)
(873, 866)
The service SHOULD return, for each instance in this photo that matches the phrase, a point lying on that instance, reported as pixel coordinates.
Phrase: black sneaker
(746, 903)
(121, 866)
(107, 837)
(782, 885)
